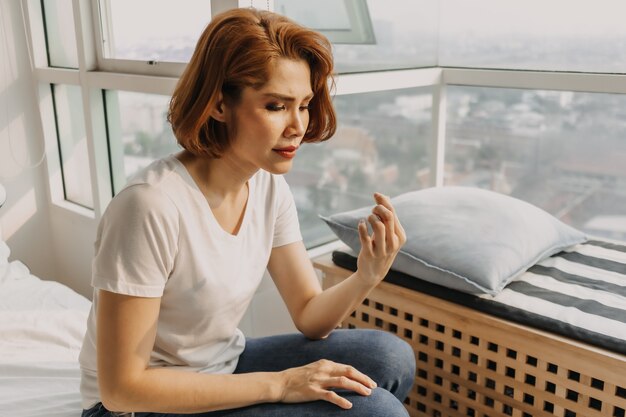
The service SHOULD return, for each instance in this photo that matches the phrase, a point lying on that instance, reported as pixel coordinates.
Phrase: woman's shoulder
(146, 193)
(156, 173)
(155, 182)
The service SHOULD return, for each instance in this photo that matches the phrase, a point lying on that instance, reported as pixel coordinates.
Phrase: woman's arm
(315, 312)
(126, 333)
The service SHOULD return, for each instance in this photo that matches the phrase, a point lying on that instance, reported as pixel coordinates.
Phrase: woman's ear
(218, 112)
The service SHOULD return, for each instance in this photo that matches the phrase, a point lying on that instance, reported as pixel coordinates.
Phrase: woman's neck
(219, 179)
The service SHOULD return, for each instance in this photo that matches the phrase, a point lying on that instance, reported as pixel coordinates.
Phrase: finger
(344, 382)
(386, 201)
(379, 234)
(388, 220)
(364, 237)
(333, 397)
(353, 373)
(340, 369)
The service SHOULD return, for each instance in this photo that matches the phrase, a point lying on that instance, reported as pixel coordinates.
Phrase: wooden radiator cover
(473, 364)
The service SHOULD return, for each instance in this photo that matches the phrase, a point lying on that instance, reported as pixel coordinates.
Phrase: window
(404, 36)
(138, 132)
(60, 33)
(413, 77)
(346, 21)
(555, 35)
(72, 140)
(130, 32)
(559, 150)
(381, 144)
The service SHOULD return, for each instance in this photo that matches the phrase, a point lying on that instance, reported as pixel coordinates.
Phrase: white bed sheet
(42, 324)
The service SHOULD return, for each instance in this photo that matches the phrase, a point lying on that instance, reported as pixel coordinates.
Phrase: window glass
(168, 32)
(402, 36)
(139, 132)
(562, 151)
(555, 35)
(68, 105)
(382, 144)
(60, 34)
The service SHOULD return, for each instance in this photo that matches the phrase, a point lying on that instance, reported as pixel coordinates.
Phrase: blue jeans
(385, 358)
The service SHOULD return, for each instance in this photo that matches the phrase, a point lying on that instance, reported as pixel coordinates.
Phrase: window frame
(361, 27)
(103, 32)
(96, 74)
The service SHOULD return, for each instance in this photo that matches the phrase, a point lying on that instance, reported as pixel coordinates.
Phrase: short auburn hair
(234, 52)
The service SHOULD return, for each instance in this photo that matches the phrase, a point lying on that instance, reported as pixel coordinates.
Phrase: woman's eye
(275, 107)
(307, 107)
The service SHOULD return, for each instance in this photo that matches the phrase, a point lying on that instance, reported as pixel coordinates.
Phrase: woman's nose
(297, 124)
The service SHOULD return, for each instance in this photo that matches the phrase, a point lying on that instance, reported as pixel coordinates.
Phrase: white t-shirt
(159, 238)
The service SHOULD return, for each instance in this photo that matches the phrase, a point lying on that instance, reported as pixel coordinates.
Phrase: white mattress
(42, 324)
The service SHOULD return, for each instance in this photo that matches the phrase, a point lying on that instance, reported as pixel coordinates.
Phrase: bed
(520, 353)
(42, 324)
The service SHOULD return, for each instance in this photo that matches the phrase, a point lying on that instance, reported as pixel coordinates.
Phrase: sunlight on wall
(8, 68)
(14, 155)
(16, 215)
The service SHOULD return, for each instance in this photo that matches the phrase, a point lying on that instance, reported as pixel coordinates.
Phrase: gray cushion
(468, 239)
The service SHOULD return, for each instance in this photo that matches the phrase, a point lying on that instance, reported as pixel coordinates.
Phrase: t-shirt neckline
(215, 224)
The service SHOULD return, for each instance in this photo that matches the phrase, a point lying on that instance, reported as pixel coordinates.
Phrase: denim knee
(396, 360)
(379, 403)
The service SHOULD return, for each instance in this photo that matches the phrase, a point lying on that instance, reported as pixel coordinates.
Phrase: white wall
(24, 219)
(55, 242)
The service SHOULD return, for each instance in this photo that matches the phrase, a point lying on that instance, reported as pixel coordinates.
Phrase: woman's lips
(288, 152)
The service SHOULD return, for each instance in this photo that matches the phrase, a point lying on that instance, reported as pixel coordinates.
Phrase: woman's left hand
(379, 250)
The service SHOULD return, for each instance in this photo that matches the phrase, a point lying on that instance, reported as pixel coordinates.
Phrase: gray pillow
(468, 239)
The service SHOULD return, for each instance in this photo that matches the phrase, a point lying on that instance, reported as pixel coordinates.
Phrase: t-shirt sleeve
(136, 243)
(287, 228)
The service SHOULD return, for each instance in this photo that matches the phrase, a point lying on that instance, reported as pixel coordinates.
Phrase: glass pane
(68, 104)
(404, 36)
(555, 35)
(138, 132)
(562, 151)
(169, 31)
(346, 21)
(60, 34)
(382, 144)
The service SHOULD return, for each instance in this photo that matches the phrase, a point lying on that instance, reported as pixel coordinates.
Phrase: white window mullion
(49, 133)
(127, 82)
(57, 76)
(93, 107)
(36, 41)
(537, 80)
(103, 29)
(116, 147)
(33, 15)
(151, 68)
(386, 80)
(438, 135)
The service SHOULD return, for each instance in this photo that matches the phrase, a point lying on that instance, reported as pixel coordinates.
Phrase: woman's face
(270, 122)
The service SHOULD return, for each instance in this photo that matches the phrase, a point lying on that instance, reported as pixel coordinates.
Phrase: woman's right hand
(314, 382)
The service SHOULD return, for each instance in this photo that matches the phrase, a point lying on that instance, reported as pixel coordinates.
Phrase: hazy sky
(188, 17)
(133, 19)
(137, 20)
(548, 17)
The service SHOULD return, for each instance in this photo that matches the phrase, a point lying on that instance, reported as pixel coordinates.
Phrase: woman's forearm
(326, 310)
(173, 391)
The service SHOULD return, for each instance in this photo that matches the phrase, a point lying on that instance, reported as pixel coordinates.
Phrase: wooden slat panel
(471, 364)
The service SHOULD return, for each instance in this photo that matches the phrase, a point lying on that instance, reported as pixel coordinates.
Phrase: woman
(181, 250)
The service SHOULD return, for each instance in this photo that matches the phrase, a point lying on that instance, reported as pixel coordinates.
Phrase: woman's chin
(280, 168)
